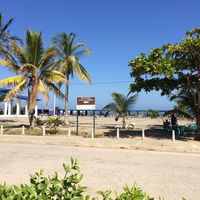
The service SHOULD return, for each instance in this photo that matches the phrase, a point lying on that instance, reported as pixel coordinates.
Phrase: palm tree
(5, 37)
(68, 62)
(33, 66)
(184, 105)
(121, 105)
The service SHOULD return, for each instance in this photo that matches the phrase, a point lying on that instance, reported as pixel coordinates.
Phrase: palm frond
(66, 49)
(43, 90)
(121, 104)
(47, 57)
(72, 37)
(80, 53)
(54, 88)
(185, 106)
(131, 101)
(179, 113)
(16, 38)
(111, 106)
(5, 38)
(19, 52)
(14, 80)
(5, 27)
(10, 65)
(82, 73)
(119, 100)
(53, 76)
(78, 45)
(28, 68)
(19, 87)
(34, 46)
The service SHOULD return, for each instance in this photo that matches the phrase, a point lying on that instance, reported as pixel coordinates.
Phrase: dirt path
(172, 175)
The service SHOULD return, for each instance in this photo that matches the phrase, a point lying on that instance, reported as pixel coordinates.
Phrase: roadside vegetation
(53, 187)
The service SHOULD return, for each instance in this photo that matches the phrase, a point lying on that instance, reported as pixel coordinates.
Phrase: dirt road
(171, 175)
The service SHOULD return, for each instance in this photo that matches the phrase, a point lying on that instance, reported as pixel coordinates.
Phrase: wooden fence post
(173, 135)
(1, 129)
(92, 132)
(117, 133)
(43, 131)
(23, 132)
(143, 134)
(69, 132)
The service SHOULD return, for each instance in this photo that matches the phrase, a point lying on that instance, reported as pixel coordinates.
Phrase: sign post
(86, 103)
(94, 121)
(77, 122)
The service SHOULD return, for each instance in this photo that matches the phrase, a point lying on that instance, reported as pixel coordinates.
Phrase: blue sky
(116, 31)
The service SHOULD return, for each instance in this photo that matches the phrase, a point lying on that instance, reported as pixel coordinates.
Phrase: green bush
(66, 188)
(153, 114)
(46, 188)
(53, 123)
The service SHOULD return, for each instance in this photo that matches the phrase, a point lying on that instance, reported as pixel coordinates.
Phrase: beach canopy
(4, 91)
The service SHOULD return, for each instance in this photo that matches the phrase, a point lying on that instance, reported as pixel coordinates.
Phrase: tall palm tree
(33, 65)
(121, 105)
(5, 37)
(69, 54)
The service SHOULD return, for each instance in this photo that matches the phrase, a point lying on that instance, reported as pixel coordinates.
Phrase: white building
(17, 107)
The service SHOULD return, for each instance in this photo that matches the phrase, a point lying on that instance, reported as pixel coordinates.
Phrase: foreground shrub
(66, 188)
(42, 187)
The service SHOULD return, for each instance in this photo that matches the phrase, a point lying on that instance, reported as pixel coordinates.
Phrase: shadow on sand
(156, 132)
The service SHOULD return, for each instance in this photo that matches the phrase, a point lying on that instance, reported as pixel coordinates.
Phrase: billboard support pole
(77, 122)
(94, 121)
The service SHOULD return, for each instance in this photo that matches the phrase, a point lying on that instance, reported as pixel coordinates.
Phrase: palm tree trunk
(31, 118)
(123, 121)
(197, 135)
(32, 100)
(67, 99)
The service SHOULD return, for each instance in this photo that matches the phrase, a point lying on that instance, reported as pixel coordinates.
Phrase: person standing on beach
(173, 121)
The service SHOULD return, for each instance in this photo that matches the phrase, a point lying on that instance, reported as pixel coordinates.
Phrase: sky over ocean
(116, 31)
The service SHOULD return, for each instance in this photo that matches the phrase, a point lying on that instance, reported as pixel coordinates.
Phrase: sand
(161, 167)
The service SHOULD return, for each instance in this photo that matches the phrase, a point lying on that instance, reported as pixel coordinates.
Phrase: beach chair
(166, 126)
(193, 127)
(181, 130)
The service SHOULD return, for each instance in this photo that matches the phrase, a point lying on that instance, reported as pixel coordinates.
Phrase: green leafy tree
(121, 105)
(171, 67)
(5, 37)
(69, 54)
(33, 65)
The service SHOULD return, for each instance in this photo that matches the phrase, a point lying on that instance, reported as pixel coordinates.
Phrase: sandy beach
(161, 167)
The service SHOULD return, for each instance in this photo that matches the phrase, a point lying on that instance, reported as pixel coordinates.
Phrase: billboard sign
(85, 103)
